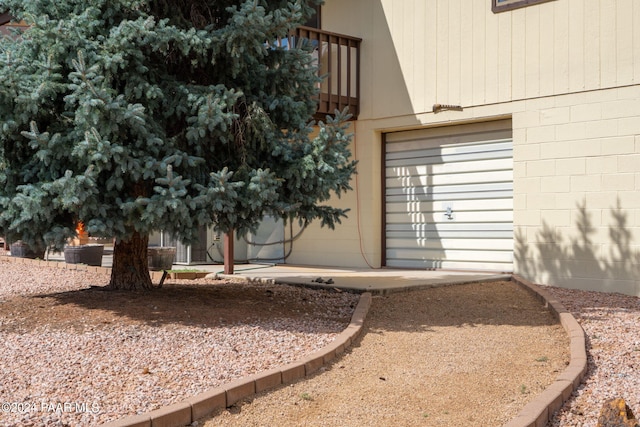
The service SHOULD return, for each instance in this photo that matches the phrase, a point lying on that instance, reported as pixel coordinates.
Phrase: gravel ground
(74, 355)
(80, 356)
(612, 324)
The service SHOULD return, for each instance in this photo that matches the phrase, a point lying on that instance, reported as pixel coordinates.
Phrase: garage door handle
(449, 213)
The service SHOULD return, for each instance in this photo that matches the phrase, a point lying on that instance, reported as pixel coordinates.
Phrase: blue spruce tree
(133, 116)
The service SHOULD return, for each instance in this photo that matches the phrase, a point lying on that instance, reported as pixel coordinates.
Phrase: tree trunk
(130, 270)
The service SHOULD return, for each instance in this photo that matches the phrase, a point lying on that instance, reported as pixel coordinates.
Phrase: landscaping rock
(616, 413)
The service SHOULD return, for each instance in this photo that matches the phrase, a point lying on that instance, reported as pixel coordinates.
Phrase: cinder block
(586, 183)
(531, 217)
(526, 152)
(554, 116)
(527, 185)
(555, 150)
(541, 134)
(621, 108)
(519, 170)
(541, 168)
(600, 200)
(623, 144)
(586, 112)
(557, 217)
(618, 182)
(601, 164)
(571, 132)
(603, 129)
(572, 166)
(555, 184)
(546, 200)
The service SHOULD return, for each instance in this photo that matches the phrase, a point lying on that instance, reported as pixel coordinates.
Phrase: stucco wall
(419, 52)
(577, 186)
(568, 74)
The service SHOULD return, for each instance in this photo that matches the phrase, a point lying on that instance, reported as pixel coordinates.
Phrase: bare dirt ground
(451, 356)
(73, 354)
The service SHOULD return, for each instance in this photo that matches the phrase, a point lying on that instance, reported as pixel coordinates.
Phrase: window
(502, 5)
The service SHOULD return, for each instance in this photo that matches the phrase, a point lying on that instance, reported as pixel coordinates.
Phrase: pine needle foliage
(134, 116)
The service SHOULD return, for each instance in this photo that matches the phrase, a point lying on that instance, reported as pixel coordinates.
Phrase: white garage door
(449, 197)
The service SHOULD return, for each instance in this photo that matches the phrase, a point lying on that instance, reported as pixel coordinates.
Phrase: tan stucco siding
(577, 190)
(416, 53)
(567, 72)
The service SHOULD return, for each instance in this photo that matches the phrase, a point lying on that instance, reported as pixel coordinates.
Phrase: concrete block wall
(577, 190)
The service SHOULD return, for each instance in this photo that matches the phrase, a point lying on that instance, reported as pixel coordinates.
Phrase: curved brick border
(536, 413)
(539, 411)
(187, 411)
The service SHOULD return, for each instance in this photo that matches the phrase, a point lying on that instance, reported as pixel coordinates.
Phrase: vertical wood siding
(419, 52)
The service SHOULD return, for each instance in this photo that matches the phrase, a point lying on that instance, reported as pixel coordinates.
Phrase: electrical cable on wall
(355, 154)
(290, 240)
(248, 260)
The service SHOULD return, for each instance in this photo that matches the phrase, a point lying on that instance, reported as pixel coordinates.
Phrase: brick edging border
(193, 408)
(536, 413)
(540, 410)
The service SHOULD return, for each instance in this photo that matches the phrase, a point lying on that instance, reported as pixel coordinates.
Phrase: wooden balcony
(6, 25)
(338, 59)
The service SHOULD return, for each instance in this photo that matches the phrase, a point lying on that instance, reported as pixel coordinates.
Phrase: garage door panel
(413, 166)
(468, 243)
(445, 227)
(452, 255)
(432, 235)
(440, 206)
(449, 199)
(470, 190)
(421, 183)
(433, 231)
(477, 216)
(434, 158)
(451, 265)
(402, 142)
(393, 197)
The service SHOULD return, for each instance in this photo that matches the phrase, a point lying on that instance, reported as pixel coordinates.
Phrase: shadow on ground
(198, 303)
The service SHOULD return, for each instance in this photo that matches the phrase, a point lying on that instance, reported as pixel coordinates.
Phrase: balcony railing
(338, 59)
(6, 24)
